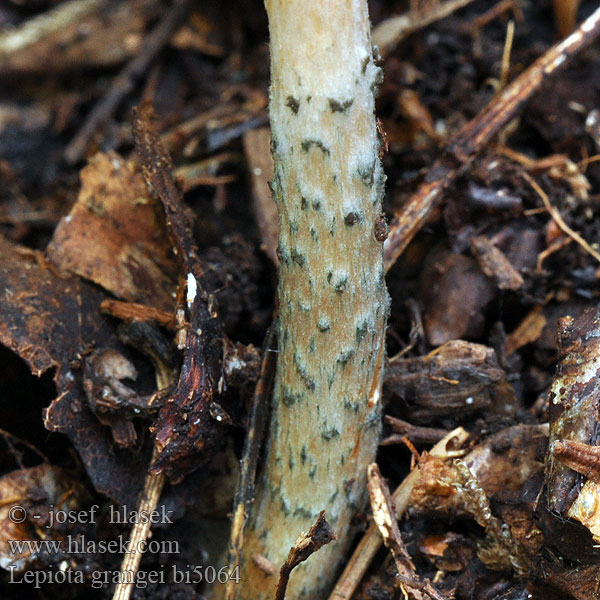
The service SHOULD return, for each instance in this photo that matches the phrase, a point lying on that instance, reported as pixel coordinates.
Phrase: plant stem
(333, 304)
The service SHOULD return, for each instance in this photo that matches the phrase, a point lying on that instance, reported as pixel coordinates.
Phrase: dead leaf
(115, 235)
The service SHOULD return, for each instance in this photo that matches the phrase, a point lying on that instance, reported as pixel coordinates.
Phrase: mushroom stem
(333, 304)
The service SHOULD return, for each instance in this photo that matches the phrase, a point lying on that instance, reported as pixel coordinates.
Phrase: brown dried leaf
(117, 473)
(115, 235)
(46, 320)
(53, 322)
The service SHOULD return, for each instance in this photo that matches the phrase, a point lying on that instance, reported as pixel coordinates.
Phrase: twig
(472, 138)
(496, 10)
(508, 42)
(555, 246)
(245, 491)
(44, 25)
(153, 487)
(148, 501)
(124, 83)
(389, 33)
(558, 219)
(320, 534)
(371, 541)
(383, 515)
(133, 311)
(416, 434)
(491, 14)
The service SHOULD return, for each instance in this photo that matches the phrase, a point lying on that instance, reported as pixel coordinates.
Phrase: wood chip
(495, 265)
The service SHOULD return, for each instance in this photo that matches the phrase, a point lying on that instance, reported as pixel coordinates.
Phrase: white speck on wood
(192, 289)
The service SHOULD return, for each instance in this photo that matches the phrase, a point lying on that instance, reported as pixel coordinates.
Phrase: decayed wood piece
(185, 426)
(574, 403)
(77, 34)
(469, 141)
(495, 265)
(333, 304)
(456, 379)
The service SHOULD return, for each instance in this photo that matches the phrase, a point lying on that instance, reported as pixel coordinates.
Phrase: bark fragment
(574, 404)
(185, 428)
(459, 378)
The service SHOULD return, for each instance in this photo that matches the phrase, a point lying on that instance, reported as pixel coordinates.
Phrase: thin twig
(508, 42)
(386, 521)
(153, 487)
(9, 438)
(415, 433)
(473, 137)
(555, 214)
(244, 495)
(320, 534)
(371, 541)
(125, 81)
(134, 311)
